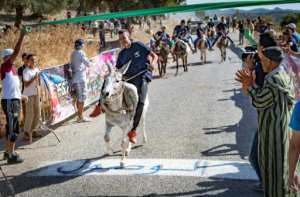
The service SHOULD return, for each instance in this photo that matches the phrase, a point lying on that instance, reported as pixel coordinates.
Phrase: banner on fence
(58, 83)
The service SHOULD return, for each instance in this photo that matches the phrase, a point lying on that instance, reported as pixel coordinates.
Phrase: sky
(294, 6)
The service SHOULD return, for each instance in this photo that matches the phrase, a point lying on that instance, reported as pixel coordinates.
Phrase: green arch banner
(171, 9)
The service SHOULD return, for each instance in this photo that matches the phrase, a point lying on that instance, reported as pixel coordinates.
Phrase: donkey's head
(112, 85)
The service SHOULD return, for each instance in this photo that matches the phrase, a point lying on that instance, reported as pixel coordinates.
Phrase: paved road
(200, 115)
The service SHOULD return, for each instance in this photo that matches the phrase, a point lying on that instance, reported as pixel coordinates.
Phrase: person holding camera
(273, 102)
(253, 63)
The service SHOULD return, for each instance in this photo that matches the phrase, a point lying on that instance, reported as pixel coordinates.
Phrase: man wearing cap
(295, 34)
(79, 64)
(273, 102)
(11, 100)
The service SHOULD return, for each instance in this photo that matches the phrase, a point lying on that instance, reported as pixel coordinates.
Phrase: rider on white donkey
(222, 30)
(139, 72)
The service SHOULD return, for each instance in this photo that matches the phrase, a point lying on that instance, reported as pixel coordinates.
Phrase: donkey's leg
(177, 65)
(165, 65)
(125, 144)
(159, 67)
(107, 138)
(185, 63)
(201, 54)
(221, 54)
(204, 52)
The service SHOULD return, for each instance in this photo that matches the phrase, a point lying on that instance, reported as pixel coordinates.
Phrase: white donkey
(119, 101)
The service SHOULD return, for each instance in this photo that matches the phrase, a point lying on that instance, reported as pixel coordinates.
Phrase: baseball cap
(6, 52)
(291, 26)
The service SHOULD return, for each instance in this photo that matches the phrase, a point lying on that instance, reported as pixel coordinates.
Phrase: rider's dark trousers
(141, 85)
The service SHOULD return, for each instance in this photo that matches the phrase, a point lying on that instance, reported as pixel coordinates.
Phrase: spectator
(295, 34)
(21, 69)
(102, 34)
(20, 74)
(83, 27)
(241, 32)
(79, 63)
(294, 149)
(290, 41)
(250, 26)
(273, 102)
(69, 14)
(94, 28)
(33, 109)
(233, 23)
(265, 40)
(11, 100)
(270, 29)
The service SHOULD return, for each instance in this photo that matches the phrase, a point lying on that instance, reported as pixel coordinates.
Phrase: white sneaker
(83, 119)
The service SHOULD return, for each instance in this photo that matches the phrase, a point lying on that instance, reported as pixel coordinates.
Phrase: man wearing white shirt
(33, 110)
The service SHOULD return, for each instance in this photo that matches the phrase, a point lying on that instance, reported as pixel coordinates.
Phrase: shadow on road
(244, 129)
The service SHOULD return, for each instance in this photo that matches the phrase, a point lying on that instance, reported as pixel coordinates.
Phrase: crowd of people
(269, 78)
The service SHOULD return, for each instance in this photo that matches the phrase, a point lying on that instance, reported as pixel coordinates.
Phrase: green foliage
(291, 18)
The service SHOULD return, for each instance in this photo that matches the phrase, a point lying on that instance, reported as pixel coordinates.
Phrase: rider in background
(222, 30)
(181, 32)
(164, 36)
(200, 32)
(210, 24)
(210, 36)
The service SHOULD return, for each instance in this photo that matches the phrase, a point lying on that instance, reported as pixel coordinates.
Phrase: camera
(250, 50)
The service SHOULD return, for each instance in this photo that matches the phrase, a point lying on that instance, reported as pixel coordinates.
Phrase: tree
(290, 18)
(36, 7)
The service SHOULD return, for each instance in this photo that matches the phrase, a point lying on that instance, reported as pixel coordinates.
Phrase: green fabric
(173, 9)
(272, 102)
(249, 37)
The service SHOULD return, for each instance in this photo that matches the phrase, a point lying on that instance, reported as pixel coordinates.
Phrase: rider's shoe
(132, 136)
(96, 112)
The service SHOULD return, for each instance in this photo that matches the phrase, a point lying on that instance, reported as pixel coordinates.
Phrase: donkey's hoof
(127, 153)
(144, 141)
(110, 152)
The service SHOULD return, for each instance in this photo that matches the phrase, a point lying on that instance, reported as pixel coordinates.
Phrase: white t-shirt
(29, 74)
(10, 81)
